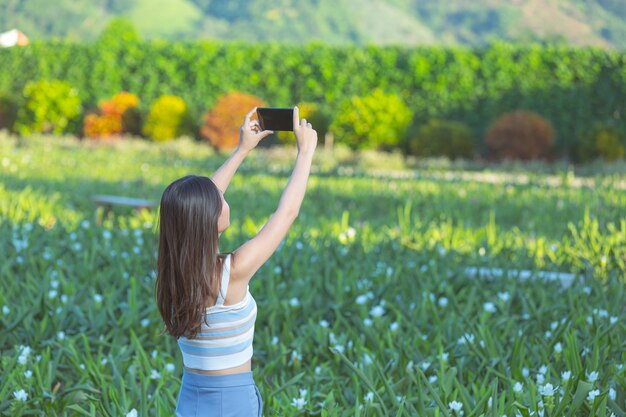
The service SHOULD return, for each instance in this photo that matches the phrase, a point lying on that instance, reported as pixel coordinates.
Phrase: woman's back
(226, 337)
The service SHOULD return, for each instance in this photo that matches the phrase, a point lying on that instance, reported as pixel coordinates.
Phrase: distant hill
(599, 23)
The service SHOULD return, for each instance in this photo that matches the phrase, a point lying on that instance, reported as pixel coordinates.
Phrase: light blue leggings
(231, 395)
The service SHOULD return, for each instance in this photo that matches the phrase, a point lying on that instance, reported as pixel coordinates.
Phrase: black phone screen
(275, 118)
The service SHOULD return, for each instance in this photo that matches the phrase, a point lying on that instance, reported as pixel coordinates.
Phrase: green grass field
(365, 310)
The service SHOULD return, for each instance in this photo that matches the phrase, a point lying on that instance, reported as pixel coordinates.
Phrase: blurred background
(481, 80)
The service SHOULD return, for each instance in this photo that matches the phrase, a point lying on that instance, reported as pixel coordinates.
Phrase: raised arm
(248, 258)
(249, 137)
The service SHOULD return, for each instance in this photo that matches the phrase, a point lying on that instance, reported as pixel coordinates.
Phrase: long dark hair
(189, 264)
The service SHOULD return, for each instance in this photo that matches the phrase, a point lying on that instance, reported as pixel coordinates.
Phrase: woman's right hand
(306, 136)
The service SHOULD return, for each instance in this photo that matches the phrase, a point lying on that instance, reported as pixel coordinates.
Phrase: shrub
(221, 124)
(114, 117)
(48, 107)
(378, 120)
(602, 140)
(313, 113)
(442, 138)
(169, 118)
(520, 135)
(8, 112)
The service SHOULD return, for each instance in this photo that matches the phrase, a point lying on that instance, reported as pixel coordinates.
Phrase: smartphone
(275, 118)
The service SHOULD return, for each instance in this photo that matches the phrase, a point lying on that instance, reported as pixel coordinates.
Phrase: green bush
(376, 121)
(169, 118)
(602, 140)
(442, 138)
(48, 107)
(8, 112)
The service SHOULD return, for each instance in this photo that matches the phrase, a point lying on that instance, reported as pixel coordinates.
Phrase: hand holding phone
(275, 118)
(306, 136)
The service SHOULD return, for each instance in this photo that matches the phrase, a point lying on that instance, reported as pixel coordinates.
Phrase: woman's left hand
(250, 133)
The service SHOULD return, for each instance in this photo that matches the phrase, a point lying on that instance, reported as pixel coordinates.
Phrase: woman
(203, 295)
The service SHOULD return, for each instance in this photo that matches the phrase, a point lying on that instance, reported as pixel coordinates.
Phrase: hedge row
(572, 88)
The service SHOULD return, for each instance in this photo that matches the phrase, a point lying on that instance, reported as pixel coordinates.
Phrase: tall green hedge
(572, 88)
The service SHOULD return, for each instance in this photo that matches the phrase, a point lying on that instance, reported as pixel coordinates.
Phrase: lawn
(366, 309)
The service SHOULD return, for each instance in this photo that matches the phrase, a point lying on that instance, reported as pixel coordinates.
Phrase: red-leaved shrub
(520, 135)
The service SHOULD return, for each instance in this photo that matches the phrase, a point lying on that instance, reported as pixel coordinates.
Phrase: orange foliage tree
(221, 124)
(114, 117)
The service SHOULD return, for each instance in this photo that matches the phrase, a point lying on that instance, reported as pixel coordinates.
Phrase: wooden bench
(108, 201)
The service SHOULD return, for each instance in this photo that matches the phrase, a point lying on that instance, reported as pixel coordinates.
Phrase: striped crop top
(227, 340)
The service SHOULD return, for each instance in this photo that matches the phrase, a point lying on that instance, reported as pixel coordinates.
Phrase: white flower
(409, 366)
(296, 355)
(540, 378)
(504, 296)
(612, 394)
(469, 337)
(613, 319)
(558, 347)
(444, 356)
(432, 379)
(145, 322)
(394, 326)
(22, 359)
(323, 323)
(367, 322)
(24, 350)
(547, 390)
(98, 298)
(443, 301)
(481, 251)
(20, 395)
(5, 310)
(339, 348)
(543, 369)
(169, 367)
(52, 293)
(318, 369)
(298, 402)
(85, 224)
(367, 359)
(592, 376)
(154, 374)
(61, 335)
(455, 405)
(424, 365)
(299, 245)
(294, 302)
(377, 311)
(489, 307)
(525, 372)
(132, 413)
(28, 373)
(489, 402)
(593, 394)
(565, 375)
(106, 234)
(587, 290)
(302, 392)
(361, 299)
(518, 387)
(275, 340)
(369, 396)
